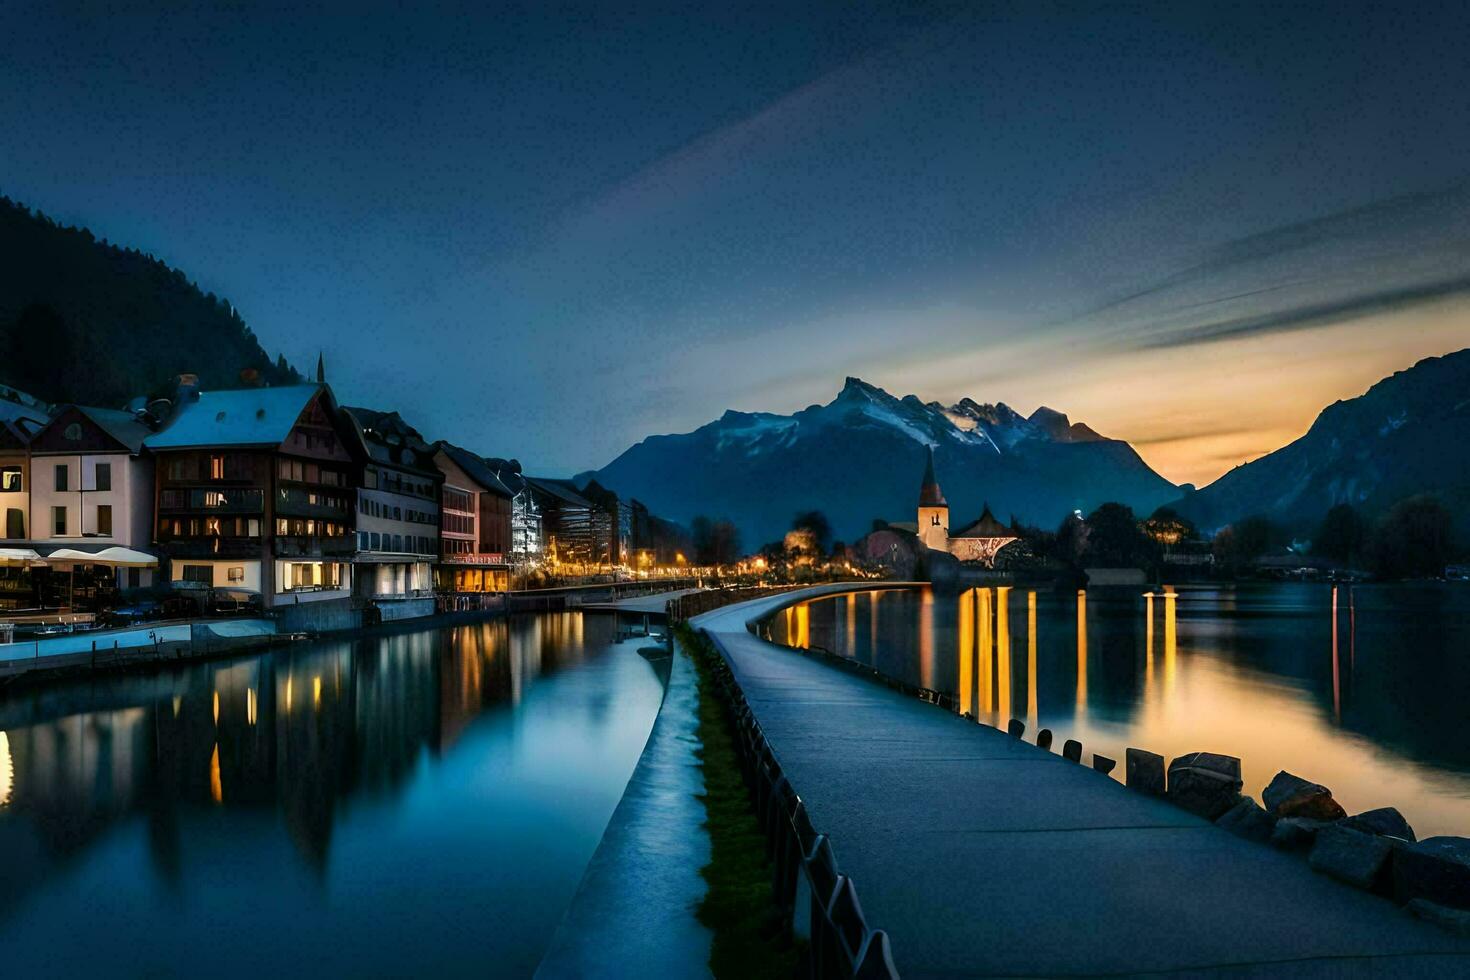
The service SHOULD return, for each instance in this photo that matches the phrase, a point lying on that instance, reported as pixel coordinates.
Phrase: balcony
(304, 547)
(212, 501)
(309, 503)
(223, 547)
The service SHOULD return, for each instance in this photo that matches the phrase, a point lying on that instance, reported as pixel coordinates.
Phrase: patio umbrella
(124, 558)
(20, 557)
(71, 558)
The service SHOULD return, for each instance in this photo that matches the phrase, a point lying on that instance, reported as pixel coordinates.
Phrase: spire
(929, 494)
(321, 369)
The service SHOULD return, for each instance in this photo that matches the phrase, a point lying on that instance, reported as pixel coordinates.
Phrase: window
(58, 521)
(61, 480)
(362, 541)
(181, 468)
(135, 577)
(73, 432)
(252, 527)
(15, 522)
(376, 540)
(216, 467)
(235, 574)
(198, 573)
(103, 475)
(104, 520)
(10, 481)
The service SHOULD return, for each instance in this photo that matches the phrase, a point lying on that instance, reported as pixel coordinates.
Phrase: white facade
(93, 500)
(228, 573)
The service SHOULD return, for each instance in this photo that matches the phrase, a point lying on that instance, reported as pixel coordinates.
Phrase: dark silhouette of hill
(84, 320)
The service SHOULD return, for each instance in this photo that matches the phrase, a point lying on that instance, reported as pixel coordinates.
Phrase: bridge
(980, 854)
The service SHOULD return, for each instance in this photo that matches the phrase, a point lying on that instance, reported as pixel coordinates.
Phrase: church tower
(933, 510)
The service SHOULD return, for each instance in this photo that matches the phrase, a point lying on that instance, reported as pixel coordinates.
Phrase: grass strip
(750, 938)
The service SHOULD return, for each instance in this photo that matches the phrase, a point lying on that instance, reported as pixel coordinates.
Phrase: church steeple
(929, 494)
(321, 369)
(933, 523)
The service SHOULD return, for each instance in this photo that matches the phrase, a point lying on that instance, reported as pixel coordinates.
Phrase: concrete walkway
(633, 914)
(985, 856)
(651, 604)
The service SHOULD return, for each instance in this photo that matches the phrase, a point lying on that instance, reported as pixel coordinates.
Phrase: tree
(725, 543)
(702, 537)
(1114, 539)
(1167, 527)
(37, 354)
(1070, 541)
(815, 522)
(1237, 545)
(1413, 540)
(1341, 536)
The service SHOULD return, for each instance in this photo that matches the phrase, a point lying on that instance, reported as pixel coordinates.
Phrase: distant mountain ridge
(860, 457)
(1406, 435)
(83, 320)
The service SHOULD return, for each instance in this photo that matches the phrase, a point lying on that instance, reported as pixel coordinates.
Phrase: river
(1364, 689)
(414, 804)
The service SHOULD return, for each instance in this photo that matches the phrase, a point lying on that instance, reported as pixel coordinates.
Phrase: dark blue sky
(549, 231)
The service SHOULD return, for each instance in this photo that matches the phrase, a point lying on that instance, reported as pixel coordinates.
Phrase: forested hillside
(84, 320)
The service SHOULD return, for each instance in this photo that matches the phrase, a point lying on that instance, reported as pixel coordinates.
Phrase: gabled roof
(475, 468)
(986, 526)
(563, 490)
(392, 441)
(122, 426)
(116, 429)
(238, 417)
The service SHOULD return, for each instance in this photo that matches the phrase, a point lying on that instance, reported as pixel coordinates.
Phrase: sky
(548, 231)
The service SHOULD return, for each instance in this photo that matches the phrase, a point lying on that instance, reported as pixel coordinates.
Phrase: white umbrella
(114, 557)
(23, 557)
(70, 556)
(124, 558)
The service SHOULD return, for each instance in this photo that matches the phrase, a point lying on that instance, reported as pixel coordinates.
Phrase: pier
(980, 854)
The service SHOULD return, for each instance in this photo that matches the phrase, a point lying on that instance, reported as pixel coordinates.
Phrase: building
(255, 490)
(979, 541)
(397, 517)
(91, 488)
(475, 536)
(527, 545)
(576, 531)
(19, 424)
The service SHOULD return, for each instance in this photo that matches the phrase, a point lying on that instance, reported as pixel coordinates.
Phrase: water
(415, 805)
(1370, 700)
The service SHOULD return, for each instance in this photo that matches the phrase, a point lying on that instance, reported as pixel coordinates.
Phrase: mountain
(83, 320)
(1406, 435)
(861, 457)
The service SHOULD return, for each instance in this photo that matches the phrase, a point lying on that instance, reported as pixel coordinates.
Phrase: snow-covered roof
(239, 417)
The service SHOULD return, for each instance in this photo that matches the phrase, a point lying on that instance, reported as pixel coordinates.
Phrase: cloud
(1407, 250)
(1311, 315)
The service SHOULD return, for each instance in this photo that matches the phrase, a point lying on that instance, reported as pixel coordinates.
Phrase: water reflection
(1237, 670)
(471, 769)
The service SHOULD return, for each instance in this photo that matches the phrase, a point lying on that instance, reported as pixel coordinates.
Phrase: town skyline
(1237, 217)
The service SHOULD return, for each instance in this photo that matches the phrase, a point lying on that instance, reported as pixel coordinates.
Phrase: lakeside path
(656, 604)
(981, 855)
